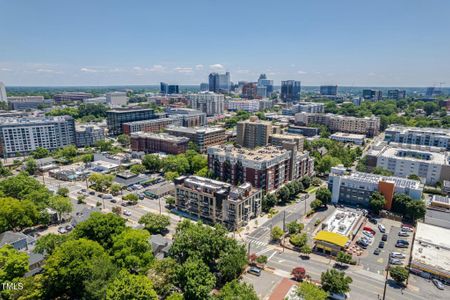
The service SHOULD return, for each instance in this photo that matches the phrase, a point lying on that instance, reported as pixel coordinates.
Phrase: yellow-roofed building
(330, 242)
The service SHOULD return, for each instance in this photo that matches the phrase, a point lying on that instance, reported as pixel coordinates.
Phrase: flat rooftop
(159, 136)
(151, 121)
(32, 120)
(414, 155)
(432, 247)
(194, 130)
(427, 130)
(258, 154)
(348, 135)
(342, 222)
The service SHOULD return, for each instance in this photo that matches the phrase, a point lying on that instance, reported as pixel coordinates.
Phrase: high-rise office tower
(164, 88)
(219, 82)
(373, 95)
(208, 102)
(204, 87)
(3, 97)
(290, 90)
(267, 83)
(328, 90)
(396, 94)
(249, 90)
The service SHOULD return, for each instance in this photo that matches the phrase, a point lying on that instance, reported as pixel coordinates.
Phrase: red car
(367, 228)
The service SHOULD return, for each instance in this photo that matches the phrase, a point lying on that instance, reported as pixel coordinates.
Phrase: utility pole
(385, 281)
(248, 250)
(284, 220)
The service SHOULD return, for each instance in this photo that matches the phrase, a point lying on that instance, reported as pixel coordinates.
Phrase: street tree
(40, 153)
(100, 182)
(138, 169)
(315, 204)
(310, 291)
(269, 201)
(335, 282)
(152, 162)
(123, 139)
(115, 188)
(16, 214)
(131, 197)
(49, 242)
(324, 195)
(62, 205)
(398, 273)
(294, 227)
(170, 200)
(155, 223)
(236, 290)
(231, 263)
(63, 191)
(305, 250)
(284, 194)
(298, 240)
(276, 233)
(31, 166)
(343, 258)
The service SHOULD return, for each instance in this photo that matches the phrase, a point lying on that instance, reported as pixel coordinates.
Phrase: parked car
(69, 227)
(395, 261)
(336, 296)
(62, 230)
(127, 213)
(397, 255)
(377, 251)
(373, 220)
(438, 284)
(384, 237)
(401, 245)
(107, 196)
(407, 228)
(255, 271)
(362, 244)
(92, 193)
(367, 228)
(403, 233)
(381, 244)
(368, 234)
(113, 200)
(381, 228)
(403, 242)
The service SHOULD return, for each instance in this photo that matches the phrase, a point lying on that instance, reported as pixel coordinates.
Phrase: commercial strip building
(308, 107)
(88, 134)
(436, 137)
(337, 231)
(71, 96)
(117, 98)
(431, 164)
(117, 117)
(217, 202)
(209, 103)
(343, 137)
(158, 142)
(21, 136)
(266, 168)
(26, 102)
(370, 126)
(356, 188)
(203, 137)
(253, 133)
(431, 252)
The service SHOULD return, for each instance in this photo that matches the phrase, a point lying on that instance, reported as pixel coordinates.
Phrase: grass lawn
(311, 189)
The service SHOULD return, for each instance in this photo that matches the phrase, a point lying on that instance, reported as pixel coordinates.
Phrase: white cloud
(157, 68)
(183, 70)
(88, 70)
(301, 72)
(50, 71)
(137, 68)
(216, 67)
(199, 67)
(5, 69)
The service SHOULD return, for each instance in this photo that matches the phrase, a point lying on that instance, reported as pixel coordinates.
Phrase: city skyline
(113, 43)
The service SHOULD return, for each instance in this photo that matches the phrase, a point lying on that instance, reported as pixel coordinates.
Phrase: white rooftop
(432, 247)
(342, 221)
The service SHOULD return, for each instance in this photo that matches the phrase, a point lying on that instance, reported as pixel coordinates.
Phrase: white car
(395, 261)
(368, 234)
(381, 228)
(62, 230)
(403, 233)
(397, 255)
(127, 213)
(438, 284)
(407, 229)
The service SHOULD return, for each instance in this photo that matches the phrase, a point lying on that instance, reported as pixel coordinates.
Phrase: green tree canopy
(152, 162)
(16, 214)
(129, 286)
(132, 251)
(324, 195)
(398, 273)
(49, 242)
(376, 202)
(100, 182)
(61, 205)
(69, 266)
(235, 290)
(276, 233)
(13, 264)
(163, 273)
(40, 153)
(100, 228)
(335, 282)
(195, 279)
(155, 223)
(310, 291)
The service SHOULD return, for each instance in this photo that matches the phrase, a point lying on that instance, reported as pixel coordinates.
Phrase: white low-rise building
(343, 137)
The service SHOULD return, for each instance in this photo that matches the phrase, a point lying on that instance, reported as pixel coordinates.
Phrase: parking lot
(377, 263)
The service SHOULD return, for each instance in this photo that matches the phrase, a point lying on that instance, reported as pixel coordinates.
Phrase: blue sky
(107, 42)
